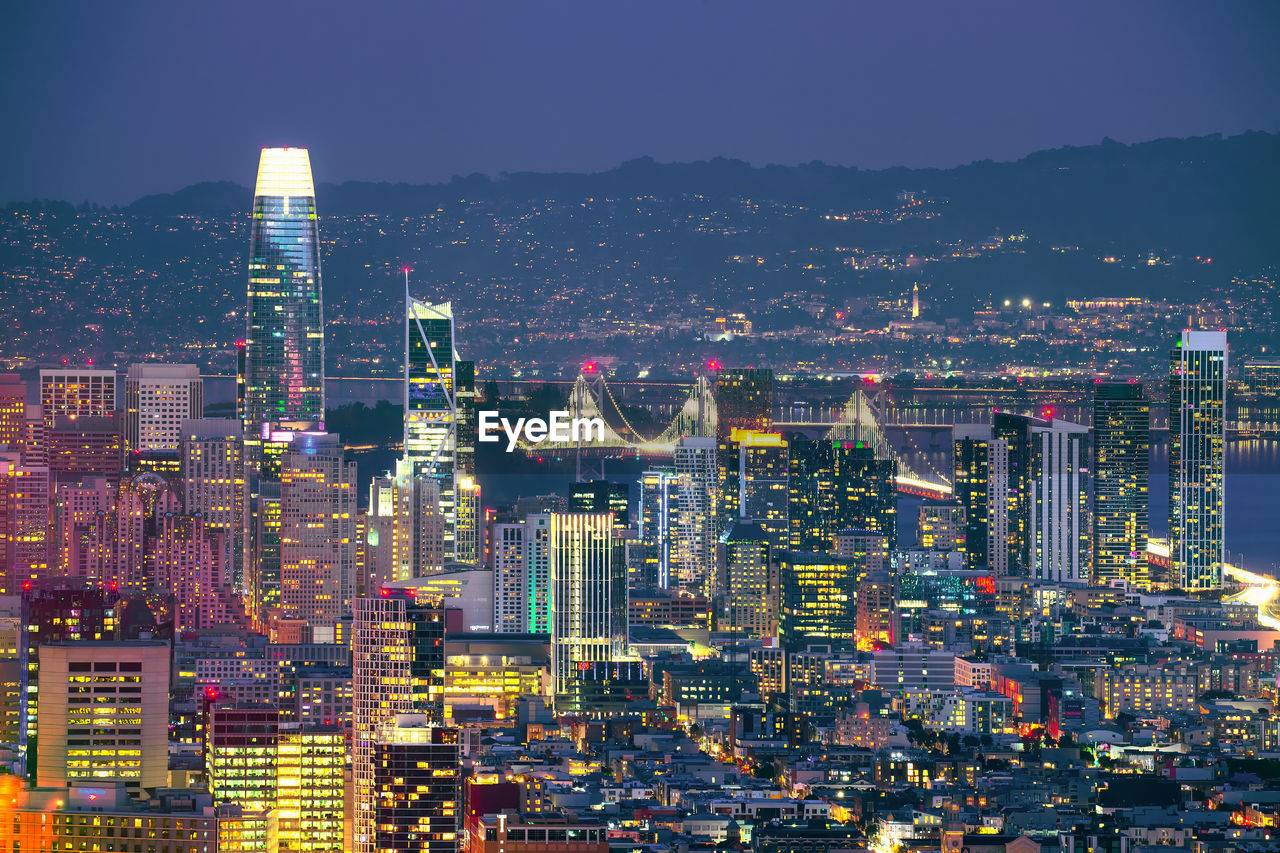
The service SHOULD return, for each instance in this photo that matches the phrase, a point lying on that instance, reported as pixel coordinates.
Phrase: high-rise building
(836, 484)
(981, 475)
(1058, 519)
(398, 668)
(537, 573)
(750, 580)
(1015, 432)
(744, 401)
(509, 608)
(214, 485)
(602, 496)
(85, 446)
(256, 759)
(431, 405)
(13, 412)
(763, 483)
(819, 599)
(877, 610)
(284, 342)
(659, 499)
(103, 713)
(24, 523)
(588, 606)
(317, 530)
(468, 514)
(77, 393)
(418, 786)
(1121, 447)
(265, 526)
(697, 520)
(158, 398)
(941, 525)
(406, 528)
(1197, 440)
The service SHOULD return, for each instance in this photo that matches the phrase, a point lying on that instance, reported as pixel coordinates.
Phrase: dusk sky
(111, 101)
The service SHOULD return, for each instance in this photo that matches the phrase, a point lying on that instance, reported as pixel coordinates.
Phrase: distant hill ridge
(1212, 192)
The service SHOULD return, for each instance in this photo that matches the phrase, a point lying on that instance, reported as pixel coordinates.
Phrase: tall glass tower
(284, 360)
(1121, 445)
(1197, 439)
(431, 405)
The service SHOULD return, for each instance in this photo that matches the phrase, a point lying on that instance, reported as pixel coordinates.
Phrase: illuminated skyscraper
(418, 787)
(981, 486)
(214, 485)
(744, 401)
(398, 668)
(158, 398)
(588, 607)
(284, 358)
(835, 484)
(1121, 445)
(1197, 438)
(1058, 511)
(697, 526)
(77, 392)
(257, 760)
(431, 405)
(1015, 432)
(763, 476)
(406, 530)
(317, 530)
(659, 498)
(750, 583)
(819, 599)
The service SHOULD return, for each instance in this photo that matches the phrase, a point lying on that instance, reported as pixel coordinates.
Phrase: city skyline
(901, 511)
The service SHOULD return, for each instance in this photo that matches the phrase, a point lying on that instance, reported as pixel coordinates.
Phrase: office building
(259, 761)
(406, 529)
(1121, 450)
(602, 496)
(1197, 438)
(509, 609)
(398, 668)
(659, 500)
(1058, 519)
(750, 580)
(835, 484)
(763, 483)
(744, 401)
(941, 525)
(588, 606)
(819, 599)
(431, 405)
(317, 530)
(103, 713)
(697, 519)
(77, 393)
(215, 486)
(85, 446)
(537, 572)
(418, 787)
(981, 476)
(468, 512)
(1015, 432)
(284, 341)
(157, 399)
(13, 412)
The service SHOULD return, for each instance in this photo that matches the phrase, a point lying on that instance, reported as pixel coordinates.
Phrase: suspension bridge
(591, 398)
